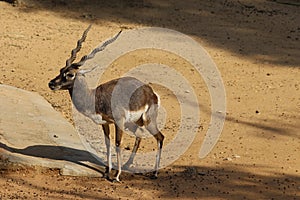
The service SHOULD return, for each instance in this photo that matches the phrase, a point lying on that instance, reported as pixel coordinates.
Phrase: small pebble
(237, 156)
(201, 173)
(229, 159)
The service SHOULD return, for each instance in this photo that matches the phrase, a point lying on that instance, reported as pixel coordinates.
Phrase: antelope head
(65, 79)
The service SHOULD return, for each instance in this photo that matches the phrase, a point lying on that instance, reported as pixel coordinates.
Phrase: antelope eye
(69, 75)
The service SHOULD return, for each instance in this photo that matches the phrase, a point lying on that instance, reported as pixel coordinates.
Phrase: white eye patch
(69, 76)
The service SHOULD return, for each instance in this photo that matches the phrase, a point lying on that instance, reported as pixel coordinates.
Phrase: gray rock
(33, 133)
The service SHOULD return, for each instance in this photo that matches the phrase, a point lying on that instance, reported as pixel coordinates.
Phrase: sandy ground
(255, 45)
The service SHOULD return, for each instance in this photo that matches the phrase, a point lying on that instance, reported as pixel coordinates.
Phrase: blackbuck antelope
(125, 102)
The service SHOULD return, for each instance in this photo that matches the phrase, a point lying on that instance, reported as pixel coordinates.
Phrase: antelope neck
(82, 97)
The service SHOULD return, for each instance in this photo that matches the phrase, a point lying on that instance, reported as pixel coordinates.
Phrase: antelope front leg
(133, 153)
(108, 150)
(119, 134)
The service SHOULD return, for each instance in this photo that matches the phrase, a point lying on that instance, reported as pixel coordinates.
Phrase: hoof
(115, 180)
(153, 176)
(126, 166)
(107, 177)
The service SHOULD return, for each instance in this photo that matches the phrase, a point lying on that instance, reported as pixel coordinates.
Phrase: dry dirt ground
(255, 45)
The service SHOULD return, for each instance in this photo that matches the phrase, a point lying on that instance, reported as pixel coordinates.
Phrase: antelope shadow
(62, 153)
